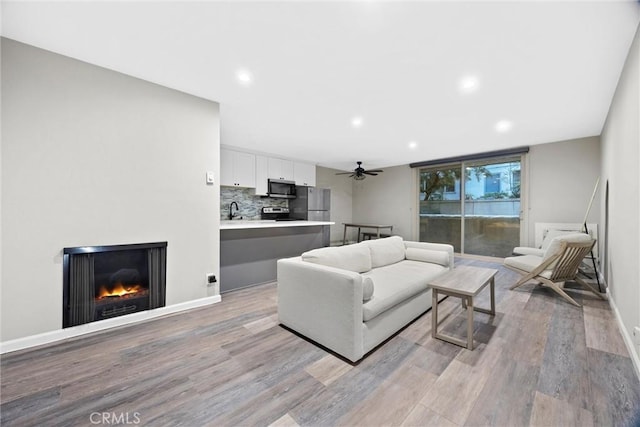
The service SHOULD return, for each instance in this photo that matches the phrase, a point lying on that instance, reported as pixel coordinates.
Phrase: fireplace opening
(121, 283)
(101, 282)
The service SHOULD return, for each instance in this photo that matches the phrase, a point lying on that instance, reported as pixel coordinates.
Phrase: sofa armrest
(434, 247)
(322, 303)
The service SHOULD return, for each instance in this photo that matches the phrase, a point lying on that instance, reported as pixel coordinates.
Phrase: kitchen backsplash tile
(249, 205)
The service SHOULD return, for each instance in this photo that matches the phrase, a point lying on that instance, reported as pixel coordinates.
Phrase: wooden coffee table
(462, 282)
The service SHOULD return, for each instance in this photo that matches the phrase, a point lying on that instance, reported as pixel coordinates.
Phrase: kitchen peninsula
(249, 249)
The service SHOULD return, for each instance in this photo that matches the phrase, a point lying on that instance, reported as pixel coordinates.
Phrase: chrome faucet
(231, 215)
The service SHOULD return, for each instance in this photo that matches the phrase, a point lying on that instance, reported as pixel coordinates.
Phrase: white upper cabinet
(237, 169)
(304, 174)
(262, 175)
(240, 169)
(280, 169)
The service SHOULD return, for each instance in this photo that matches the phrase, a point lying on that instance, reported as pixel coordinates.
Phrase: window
(450, 188)
(515, 183)
(492, 183)
(474, 206)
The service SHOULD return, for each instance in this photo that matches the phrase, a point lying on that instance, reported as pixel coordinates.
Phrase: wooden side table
(462, 282)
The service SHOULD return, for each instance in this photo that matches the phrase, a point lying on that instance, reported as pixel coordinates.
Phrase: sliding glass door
(440, 205)
(479, 214)
(492, 208)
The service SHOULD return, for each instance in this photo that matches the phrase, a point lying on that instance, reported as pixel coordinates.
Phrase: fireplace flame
(119, 290)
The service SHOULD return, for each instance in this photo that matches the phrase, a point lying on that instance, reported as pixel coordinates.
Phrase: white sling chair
(558, 264)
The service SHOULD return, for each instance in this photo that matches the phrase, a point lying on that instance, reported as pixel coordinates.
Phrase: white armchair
(546, 242)
(558, 263)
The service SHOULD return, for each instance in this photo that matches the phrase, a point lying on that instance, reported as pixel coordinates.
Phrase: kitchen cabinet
(304, 174)
(280, 169)
(271, 168)
(262, 175)
(237, 169)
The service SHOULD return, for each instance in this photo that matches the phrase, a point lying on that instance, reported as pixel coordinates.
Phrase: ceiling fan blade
(360, 172)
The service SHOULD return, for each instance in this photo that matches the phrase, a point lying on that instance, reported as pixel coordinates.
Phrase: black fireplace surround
(101, 282)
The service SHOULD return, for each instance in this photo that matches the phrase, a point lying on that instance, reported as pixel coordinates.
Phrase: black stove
(276, 213)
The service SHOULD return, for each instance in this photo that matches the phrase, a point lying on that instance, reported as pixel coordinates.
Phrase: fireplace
(101, 282)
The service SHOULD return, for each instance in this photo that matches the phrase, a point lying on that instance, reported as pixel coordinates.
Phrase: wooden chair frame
(567, 261)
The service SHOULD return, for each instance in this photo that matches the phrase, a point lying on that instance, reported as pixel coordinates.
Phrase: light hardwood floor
(540, 361)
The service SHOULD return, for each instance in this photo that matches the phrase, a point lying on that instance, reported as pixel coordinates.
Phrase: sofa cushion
(386, 251)
(525, 262)
(552, 234)
(367, 288)
(397, 282)
(427, 255)
(556, 242)
(355, 258)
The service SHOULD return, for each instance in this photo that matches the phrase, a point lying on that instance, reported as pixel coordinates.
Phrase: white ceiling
(550, 68)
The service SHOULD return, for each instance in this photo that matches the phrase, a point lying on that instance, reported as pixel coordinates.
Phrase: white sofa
(352, 298)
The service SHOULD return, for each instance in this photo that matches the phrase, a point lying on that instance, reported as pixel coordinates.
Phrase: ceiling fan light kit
(360, 173)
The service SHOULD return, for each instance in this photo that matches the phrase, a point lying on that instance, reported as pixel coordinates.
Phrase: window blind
(469, 157)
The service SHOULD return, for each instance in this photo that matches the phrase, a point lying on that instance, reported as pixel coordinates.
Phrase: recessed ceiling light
(244, 77)
(413, 145)
(356, 122)
(503, 126)
(468, 84)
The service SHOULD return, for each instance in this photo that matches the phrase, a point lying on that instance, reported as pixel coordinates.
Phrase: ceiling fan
(360, 173)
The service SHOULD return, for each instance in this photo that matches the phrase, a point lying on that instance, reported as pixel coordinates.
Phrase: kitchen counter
(250, 250)
(247, 224)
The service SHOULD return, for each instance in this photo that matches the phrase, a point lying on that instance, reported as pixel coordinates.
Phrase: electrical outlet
(211, 279)
(636, 335)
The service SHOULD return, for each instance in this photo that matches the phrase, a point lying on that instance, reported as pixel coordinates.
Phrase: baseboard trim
(625, 336)
(76, 331)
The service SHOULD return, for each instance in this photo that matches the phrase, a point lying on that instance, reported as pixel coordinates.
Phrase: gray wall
(341, 198)
(95, 157)
(389, 198)
(561, 178)
(620, 160)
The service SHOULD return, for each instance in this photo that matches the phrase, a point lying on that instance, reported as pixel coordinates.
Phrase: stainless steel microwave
(281, 189)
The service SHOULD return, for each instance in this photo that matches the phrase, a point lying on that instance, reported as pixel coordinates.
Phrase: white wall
(341, 199)
(389, 198)
(95, 157)
(561, 177)
(620, 162)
